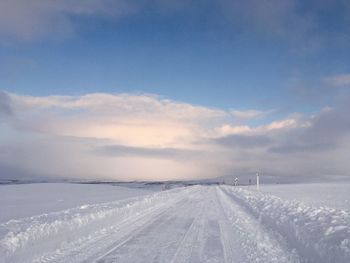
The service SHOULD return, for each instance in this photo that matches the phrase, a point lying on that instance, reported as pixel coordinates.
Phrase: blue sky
(198, 53)
(271, 71)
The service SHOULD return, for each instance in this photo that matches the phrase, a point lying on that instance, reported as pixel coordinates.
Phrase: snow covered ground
(336, 195)
(25, 200)
(185, 224)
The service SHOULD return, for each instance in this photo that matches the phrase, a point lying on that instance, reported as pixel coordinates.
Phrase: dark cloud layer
(162, 153)
(244, 141)
(325, 132)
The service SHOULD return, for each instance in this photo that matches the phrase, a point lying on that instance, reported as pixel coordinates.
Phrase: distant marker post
(257, 181)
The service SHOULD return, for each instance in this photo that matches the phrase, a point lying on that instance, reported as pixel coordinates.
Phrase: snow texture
(26, 200)
(335, 195)
(186, 224)
(319, 234)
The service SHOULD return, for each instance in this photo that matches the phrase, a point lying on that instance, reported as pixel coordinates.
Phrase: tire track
(258, 243)
(90, 249)
(184, 251)
(158, 238)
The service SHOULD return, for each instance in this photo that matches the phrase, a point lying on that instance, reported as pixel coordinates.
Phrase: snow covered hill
(186, 224)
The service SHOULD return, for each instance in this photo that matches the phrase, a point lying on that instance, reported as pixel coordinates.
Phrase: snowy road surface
(193, 224)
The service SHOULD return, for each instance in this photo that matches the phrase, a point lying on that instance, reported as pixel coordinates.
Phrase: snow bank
(37, 237)
(319, 234)
(336, 195)
(25, 200)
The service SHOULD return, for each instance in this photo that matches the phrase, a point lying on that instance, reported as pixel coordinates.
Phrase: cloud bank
(147, 137)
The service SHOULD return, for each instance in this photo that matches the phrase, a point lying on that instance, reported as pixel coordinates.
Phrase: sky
(173, 90)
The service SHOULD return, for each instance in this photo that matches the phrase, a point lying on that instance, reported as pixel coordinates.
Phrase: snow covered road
(197, 229)
(193, 224)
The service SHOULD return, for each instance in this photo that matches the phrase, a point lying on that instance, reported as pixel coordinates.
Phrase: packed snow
(202, 223)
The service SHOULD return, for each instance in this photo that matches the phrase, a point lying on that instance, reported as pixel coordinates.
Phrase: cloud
(67, 157)
(120, 136)
(314, 133)
(158, 153)
(325, 132)
(284, 124)
(320, 132)
(319, 91)
(305, 26)
(228, 129)
(250, 114)
(30, 19)
(244, 141)
(272, 18)
(281, 124)
(137, 120)
(115, 104)
(341, 80)
(5, 107)
(147, 137)
(313, 146)
(298, 23)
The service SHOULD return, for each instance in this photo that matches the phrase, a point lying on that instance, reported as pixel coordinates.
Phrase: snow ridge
(25, 239)
(319, 234)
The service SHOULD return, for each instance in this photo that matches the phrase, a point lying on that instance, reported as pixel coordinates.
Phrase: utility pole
(257, 181)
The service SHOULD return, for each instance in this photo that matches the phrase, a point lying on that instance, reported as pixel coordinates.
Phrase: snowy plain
(202, 223)
(25, 200)
(336, 195)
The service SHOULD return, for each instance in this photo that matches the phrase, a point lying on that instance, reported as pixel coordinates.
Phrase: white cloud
(281, 124)
(146, 137)
(110, 104)
(250, 114)
(122, 136)
(228, 129)
(137, 120)
(284, 124)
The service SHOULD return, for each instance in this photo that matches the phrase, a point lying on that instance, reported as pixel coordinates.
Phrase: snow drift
(319, 234)
(37, 238)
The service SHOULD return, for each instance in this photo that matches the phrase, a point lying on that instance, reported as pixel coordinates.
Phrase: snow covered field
(186, 224)
(336, 195)
(25, 200)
